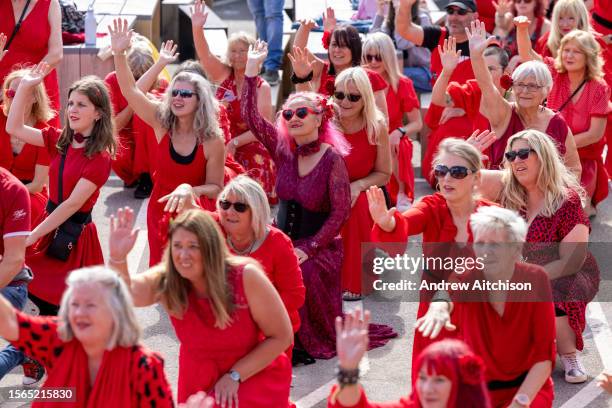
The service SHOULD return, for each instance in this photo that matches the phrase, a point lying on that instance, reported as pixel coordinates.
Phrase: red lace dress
(50, 273)
(399, 103)
(570, 293)
(127, 377)
(203, 363)
(253, 157)
(30, 45)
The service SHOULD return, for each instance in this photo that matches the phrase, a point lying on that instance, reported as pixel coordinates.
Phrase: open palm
(301, 62)
(121, 35)
(449, 56)
(378, 207)
(198, 14)
(478, 38)
(36, 75)
(352, 338)
(167, 52)
(122, 233)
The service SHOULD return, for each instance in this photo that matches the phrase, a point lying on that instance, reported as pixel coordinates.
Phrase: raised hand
(122, 234)
(449, 56)
(406, 4)
(256, 56)
(308, 23)
(482, 140)
(378, 209)
(521, 22)
(478, 37)
(3, 40)
(301, 62)
(121, 35)
(352, 338)
(36, 75)
(503, 7)
(436, 318)
(167, 52)
(329, 20)
(381, 7)
(198, 14)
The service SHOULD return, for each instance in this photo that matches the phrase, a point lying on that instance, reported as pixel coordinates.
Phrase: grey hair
(126, 330)
(538, 70)
(206, 121)
(492, 218)
(251, 193)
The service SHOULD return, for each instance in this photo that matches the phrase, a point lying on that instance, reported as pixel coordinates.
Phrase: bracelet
(296, 80)
(111, 260)
(347, 377)
(119, 53)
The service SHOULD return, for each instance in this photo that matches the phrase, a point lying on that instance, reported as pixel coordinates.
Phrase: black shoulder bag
(17, 26)
(66, 235)
(571, 96)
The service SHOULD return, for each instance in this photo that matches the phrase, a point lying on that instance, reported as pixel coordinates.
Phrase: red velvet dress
(253, 157)
(30, 45)
(127, 376)
(202, 363)
(50, 273)
(327, 84)
(399, 103)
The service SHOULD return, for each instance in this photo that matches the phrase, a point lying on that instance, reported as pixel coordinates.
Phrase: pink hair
(328, 133)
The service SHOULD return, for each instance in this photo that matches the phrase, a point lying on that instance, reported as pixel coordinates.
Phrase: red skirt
(145, 147)
(405, 170)
(356, 230)
(123, 162)
(594, 176)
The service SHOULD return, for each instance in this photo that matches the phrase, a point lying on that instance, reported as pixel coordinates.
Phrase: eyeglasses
(522, 154)
(456, 172)
(461, 12)
(183, 93)
(370, 58)
(528, 87)
(9, 93)
(300, 112)
(351, 97)
(239, 207)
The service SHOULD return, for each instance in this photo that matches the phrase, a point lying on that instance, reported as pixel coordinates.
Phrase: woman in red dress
(30, 164)
(81, 154)
(441, 217)
(582, 97)
(380, 57)
(450, 375)
(93, 349)
(227, 300)
(39, 39)
(242, 145)
(191, 148)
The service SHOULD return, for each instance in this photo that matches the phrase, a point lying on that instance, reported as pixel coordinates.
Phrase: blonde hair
(126, 330)
(575, 8)
(382, 44)
(374, 118)
(238, 37)
(41, 108)
(251, 193)
(140, 59)
(591, 50)
(554, 178)
(460, 148)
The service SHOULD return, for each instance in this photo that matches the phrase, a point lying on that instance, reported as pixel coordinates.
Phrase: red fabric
(202, 363)
(543, 399)
(363, 402)
(51, 272)
(462, 73)
(486, 13)
(406, 171)
(326, 86)
(603, 8)
(30, 45)
(467, 97)
(14, 208)
(326, 39)
(127, 376)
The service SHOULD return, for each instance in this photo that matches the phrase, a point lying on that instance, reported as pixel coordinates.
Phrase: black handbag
(17, 26)
(66, 235)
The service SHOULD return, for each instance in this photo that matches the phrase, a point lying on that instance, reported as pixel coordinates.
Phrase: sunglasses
(456, 172)
(239, 207)
(183, 93)
(461, 12)
(522, 154)
(370, 58)
(300, 112)
(351, 97)
(10, 93)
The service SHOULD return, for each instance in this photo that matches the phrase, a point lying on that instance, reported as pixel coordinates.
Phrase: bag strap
(572, 95)
(60, 180)
(17, 26)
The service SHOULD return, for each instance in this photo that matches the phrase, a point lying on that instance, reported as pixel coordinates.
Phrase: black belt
(25, 181)
(602, 21)
(78, 217)
(298, 222)
(501, 385)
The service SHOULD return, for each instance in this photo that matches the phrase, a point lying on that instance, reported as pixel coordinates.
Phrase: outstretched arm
(215, 69)
(525, 50)
(404, 25)
(449, 56)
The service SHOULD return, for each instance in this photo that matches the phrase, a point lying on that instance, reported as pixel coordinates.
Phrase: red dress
(202, 363)
(399, 103)
(253, 156)
(363, 402)
(30, 45)
(127, 377)
(50, 273)
(327, 84)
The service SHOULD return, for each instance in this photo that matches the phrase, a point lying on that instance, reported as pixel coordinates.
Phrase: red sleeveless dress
(203, 362)
(30, 45)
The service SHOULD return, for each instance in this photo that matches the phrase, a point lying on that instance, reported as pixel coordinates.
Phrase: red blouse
(467, 96)
(400, 102)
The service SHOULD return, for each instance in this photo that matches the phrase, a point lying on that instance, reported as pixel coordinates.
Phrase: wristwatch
(235, 375)
(522, 399)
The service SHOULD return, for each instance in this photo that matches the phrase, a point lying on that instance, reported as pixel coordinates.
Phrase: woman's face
(186, 254)
(89, 314)
(184, 99)
(232, 221)
(434, 390)
(525, 170)
(299, 127)
(339, 55)
(349, 109)
(495, 69)
(525, 7)
(454, 189)
(237, 55)
(528, 93)
(567, 22)
(572, 57)
(374, 61)
(82, 114)
(494, 250)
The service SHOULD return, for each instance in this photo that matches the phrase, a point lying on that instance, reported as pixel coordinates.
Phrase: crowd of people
(256, 219)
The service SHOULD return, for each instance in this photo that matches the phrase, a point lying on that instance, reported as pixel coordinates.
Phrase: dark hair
(390, 21)
(347, 36)
(502, 55)
(190, 66)
(102, 136)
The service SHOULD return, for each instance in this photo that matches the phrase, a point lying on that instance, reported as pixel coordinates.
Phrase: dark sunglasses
(239, 207)
(522, 154)
(300, 112)
(351, 97)
(456, 172)
(461, 12)
(371, 58)
(183, 93)
(10, 93)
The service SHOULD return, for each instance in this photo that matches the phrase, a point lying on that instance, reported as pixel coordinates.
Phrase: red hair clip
(471, 369)
(9, 93)
(506, 81)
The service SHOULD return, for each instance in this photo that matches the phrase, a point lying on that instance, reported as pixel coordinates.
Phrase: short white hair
(538, 70)
(251, 193)
(493, 218)
(126, 330)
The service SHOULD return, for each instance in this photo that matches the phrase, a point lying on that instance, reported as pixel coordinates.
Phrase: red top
(467, 96)
(227, 94)
(486, 13)
(23, 164)
(400, 102)
(169, 173)
(362, 157)
(326, 87)
(95, 169)
(127, 376)
(14, 208)
(363, 402)
(603, 9)
(462, 73)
